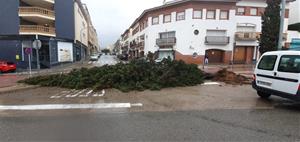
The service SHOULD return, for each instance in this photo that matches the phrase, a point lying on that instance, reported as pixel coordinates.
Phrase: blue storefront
(295, 44)
(12, 44)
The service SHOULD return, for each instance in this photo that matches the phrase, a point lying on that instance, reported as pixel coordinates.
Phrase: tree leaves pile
(137, 75)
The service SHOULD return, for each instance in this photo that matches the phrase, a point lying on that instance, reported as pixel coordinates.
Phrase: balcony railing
(217, 40)
(23, 11)
(51, 1)
(141, 45)
(246, 36)
(37, 30)
(166, 41)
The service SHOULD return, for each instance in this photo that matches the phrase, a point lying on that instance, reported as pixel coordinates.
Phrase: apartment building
(226, 30)
(295, 15)
(294, 26)
(63, 26)
(93, 42)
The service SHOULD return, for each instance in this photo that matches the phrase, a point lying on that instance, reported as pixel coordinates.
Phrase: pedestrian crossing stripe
(78, 94)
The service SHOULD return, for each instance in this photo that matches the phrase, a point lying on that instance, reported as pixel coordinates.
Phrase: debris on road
(231, 78)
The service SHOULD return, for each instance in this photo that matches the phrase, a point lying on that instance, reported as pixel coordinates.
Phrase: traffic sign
(28, 51)
(37, 44)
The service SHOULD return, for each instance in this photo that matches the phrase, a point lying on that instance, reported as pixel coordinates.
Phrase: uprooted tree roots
(231, 78)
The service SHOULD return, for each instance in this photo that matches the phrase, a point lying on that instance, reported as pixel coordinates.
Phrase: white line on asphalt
(54, 97)
(69, 106)
(69, 95)
(137, 105)
(100, 95)
(60, 95)
(211, 83)
(87, 94)
(77, 94)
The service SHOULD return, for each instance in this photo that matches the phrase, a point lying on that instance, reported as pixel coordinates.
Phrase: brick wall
(189, 58)
(227, 57)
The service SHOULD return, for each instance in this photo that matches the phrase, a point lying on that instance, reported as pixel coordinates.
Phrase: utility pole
(37, 55)
(283, 2)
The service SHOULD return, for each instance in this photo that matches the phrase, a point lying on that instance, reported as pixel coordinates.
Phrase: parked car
(6, 66)
(123, 57)
(94, 58)
(159, 60)
(99, 55)
(278, 73)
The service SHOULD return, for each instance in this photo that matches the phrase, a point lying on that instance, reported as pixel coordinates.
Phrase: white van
(278, 73)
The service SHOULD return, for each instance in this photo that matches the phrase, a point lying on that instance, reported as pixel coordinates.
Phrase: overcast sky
(112, 17)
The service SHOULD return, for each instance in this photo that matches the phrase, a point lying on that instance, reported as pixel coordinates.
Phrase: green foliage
(137, 75)
(270, 27)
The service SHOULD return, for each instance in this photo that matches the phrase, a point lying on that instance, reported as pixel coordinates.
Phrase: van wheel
(263, 95)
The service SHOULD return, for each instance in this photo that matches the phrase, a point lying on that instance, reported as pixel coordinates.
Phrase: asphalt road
(210, 125)
(106, 60)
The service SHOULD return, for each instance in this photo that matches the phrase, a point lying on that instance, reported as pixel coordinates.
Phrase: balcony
(37, 30)
(166, 41)
(246, 36)
(37, 14)
(217, 40)
(48, 4)
(141, 45)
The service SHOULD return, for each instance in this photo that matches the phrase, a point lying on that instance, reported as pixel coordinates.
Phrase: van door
(265, 71)
(287, 74)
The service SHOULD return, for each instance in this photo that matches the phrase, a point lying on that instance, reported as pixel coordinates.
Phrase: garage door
(215, 56)
(240, 55)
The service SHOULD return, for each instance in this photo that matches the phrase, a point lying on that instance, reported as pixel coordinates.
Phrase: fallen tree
(137, 75)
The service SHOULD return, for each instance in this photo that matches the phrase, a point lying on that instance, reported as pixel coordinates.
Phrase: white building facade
(225, 30)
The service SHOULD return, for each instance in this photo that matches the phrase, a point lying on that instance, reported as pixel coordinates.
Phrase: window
(253, 11)
(197, 14)
(180, 16)
(146, 24)
(167, 35)
(224, 15)
(211, 14)
(155, 20)
(267, 62)
(167, 18)
(290, 64)
(196, 32)
(240, 11)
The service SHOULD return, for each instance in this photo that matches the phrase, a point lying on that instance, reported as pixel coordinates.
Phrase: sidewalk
(9, 81)
(244, 70)
(65, 68)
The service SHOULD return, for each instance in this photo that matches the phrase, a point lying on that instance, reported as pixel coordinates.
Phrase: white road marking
(87, 94)
(137, 105)
(71, 93)
(100, 95)
(78, 93)
(211, 83)
(68, 106)
(59, 95)
(54, 97)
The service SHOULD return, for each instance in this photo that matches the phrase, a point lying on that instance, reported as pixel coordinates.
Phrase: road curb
(17, 88)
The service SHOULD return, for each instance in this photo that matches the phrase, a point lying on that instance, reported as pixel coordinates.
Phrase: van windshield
(267, 62)
(290, 64)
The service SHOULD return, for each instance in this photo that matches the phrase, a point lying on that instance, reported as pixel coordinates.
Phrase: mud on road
(201, 97)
